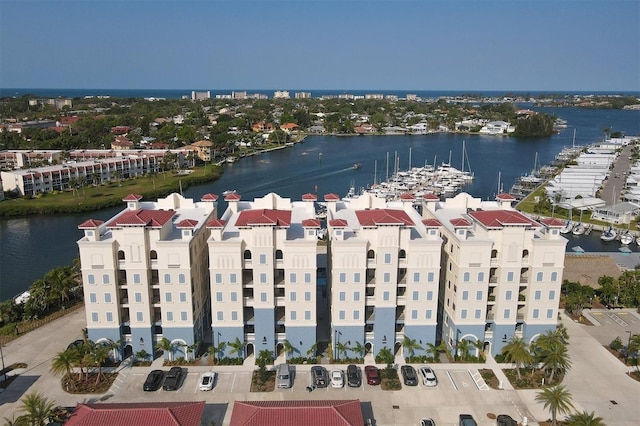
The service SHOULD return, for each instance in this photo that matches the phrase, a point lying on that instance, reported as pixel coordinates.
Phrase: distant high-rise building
(200, 96)
(281, 94)
(303, 95)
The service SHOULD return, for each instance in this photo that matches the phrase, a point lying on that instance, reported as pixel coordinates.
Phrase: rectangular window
(356, 315)
(386, 277)
(136, 278)
(263, 278)
(478, 313)
(167, 278)
(109, 317)
(480, 276)
(182, 279)
(105, 279)
(536, 313)
(219, 296)
(549, 313)
(91, 279)
(307, 296)
(507, 313)
(232, 278)
(292, 296)
(463, 313)
(169, 316)
(94, 316)
(414, 314)
(428, 314)
(385, 296)
(234, 296)
(387, 258)
(292, 277)
(218, 278)
(416, 277)
(552, 294)
(220, 316)
(507, 295)
(342, 315)
(510, 276)
(92, 298)
(430, 295)
(307, 315)
(183, 316)
(263, 297)
(263, 259)
(343, 296)
(430, 276)
(138, 297)
(356, 277)
(554, 276)
(343, 277)
(466, 277)
(416, 295)
(167, 297)
(107, 298)
(183, 297)
(356, 296)
(139, 316)
(465, 295)
(539, 276)
(537, 295)
(293, 315)
(479, 295)
(234, 315)
(307, 277)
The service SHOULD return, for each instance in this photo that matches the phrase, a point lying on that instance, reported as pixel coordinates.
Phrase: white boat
(229, 192)
(626, 238)
(578, 229)
(231, 159)
(609, 235)
(568, 227)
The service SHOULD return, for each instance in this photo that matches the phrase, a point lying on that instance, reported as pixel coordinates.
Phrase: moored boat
(356, 166)
(609, 235)
(568, 227)
(578, 229)
(626, 238)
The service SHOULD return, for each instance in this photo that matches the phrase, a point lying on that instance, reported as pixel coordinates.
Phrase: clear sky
(546, 45)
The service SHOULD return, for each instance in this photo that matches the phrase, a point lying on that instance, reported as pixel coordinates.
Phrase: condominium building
(384, 264)
(263, 265)
(145, 275)
(501, 272)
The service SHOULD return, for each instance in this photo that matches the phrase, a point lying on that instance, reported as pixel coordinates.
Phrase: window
(507, 295)
(183, 316)
(428, 314)
(219, 296)
(167, 297)
(169, 316)
(263, 278)
(356, 296)
(263, 297)
(292, 277)
(234, 296)
(220, 316)
(307, 296)
(416, 295)
(167, 278)
(356, 277)
(539, 276)
(279, 255)
(343, 296)
(182, 279)
(307, 277)
(402, 254)
(136, 278)
(234, 315)
(386, 277)
(247, 255)
(105, 279)
(478, 313)
(107, 298)
(341, 315)
(430, 295)
(537, 294)
(292, 296)
(218, 278)
(536, 313)
(509, 276)
(307, 315)
(552, 294)
(139, 316)
(138, 297)
(109, 317)
(466, 277)
(463, 313)
(465, 295)
(387, 258)
(92, 298)
(293, 315)
(554, 276)
(371, 254)
(263, 259)
(414, 314)
(91, 279)
(183, 297)
(416, 277)
(232, 278)
(153, 255)
(430, 276)
(356, 315)
(549, 313)
(479, 295)
(343, 277)
(94, 317)
(480, 276)
(507, 313)
(385, 295)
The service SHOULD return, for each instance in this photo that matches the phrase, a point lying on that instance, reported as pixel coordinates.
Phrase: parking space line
(452, 381)
(233, 382)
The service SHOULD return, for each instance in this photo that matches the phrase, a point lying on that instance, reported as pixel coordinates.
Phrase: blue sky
(558, 45)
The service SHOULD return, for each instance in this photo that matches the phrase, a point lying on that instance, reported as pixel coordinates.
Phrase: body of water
(33, 245)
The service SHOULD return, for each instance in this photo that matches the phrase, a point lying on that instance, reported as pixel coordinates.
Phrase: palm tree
(462, 349)
(557, 399)
(556, 359)
(193, 349)
(313, 351)
(216, 350)
(62, 363)
(410, 345)
(359, 349)
(37, 408)
(341, 348)
(287, 347)
(385, 356)
(634, 345)
(479, 345)
(584, 419)
(114, 348)
(516, 352)
(98, 355)
(432, 350)
(550, 349)
(166, 347)
(236, 347)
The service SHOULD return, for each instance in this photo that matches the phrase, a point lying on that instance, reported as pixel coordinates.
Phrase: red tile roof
(309, 197)
(331, 197)
(132, 197)
(338, 223)
(151, 218)
(311, 223)
(296, 413)
(407, 196)
(500, 218)
(233, 196)
(264, 217)
(431, 196)
(209, 197)
(503, 196)
(216, 223)
(460, 222)
(383, 217)
(187, 223)
(552, 222)
(431, 223)
(139, 414)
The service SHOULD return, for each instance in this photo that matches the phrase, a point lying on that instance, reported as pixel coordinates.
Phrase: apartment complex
(145, 275)
(500, 271)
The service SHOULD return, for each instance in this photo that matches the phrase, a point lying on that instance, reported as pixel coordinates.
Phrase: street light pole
(4, 375)
(626, 356)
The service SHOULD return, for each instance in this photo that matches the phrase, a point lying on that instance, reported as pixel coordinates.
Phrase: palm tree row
(559, 401)
(82, 357)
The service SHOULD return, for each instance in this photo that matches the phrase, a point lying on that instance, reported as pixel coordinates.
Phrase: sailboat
(568, 227)
(579, 228)
(609, 235)
(626, 238)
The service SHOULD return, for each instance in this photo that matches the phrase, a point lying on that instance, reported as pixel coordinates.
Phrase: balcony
(491, 298)
(247, 301)
(522, 298)
(520, 316)
(488, 334)
(370, 335)
(493, 280)
(247, 278)
(490, 316)
(124, 300)
(524, 279)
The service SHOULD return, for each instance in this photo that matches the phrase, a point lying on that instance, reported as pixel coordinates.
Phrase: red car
(373, 375)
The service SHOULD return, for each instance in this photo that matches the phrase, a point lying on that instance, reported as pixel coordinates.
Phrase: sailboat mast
(462, 170)
(409, 168)
(375, 172)
(387, 166)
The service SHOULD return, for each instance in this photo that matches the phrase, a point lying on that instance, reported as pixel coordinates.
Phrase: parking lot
(611, 323)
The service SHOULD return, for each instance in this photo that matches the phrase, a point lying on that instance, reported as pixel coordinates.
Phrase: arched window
(525, 254)
(402, 254)
(494, 254)
(279, 255)
(153, 255)
(247, 254)
(120, 255)
(371, 254)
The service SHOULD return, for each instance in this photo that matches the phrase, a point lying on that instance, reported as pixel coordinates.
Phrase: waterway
(31, 246)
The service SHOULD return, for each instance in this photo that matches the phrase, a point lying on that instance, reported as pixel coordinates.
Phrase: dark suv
(409, 376)
(505, 420)
(172, 381)
(353, 376)
(320, 377)
(467, 420)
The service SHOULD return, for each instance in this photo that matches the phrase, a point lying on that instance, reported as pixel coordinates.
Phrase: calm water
(33, 245)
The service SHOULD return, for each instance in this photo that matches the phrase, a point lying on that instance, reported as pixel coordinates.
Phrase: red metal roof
(297, 413)
(311, 223)
(132, 197)
(187, 223)
(152, 218)
(216, 223)
(338, 223)
(460, 222)
(552, 222)
(431, 223)
(90, 224)
(331, 197)
(309, 197)
(209, 197)
(233, 196)
(264, 217)
(383, 217)
(500, 218)
(503, 196)
(138, 414)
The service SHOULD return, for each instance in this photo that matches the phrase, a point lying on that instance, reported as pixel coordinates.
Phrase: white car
(207, 380)
(337, 379)
(428, 376)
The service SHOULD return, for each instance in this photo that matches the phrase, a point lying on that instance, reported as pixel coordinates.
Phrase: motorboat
(609, 235)
(578, 229)
(356, 166)
(229, 192)
(626, 238)
(568, 227)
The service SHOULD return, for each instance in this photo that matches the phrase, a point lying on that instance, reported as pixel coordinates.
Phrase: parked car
(320, 376)
(283, 376)
(467, 420)
(154, 381)
(427, 422)
(353, 376)
(207, 380)
(505, 420)
(428, 376)
(373, 374)
(337, 379)
(172, 381)
(409, 376)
